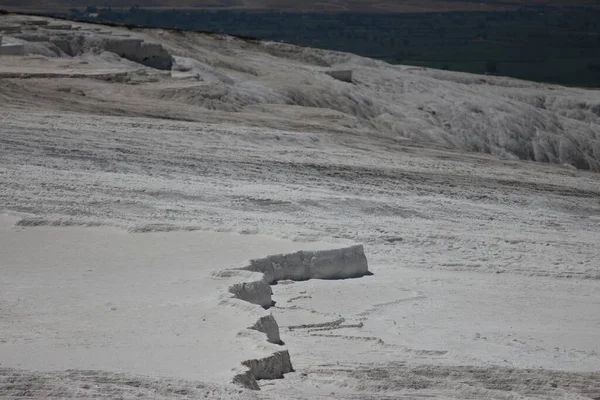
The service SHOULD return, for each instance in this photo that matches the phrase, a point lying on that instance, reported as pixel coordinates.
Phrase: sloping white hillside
(504, 117)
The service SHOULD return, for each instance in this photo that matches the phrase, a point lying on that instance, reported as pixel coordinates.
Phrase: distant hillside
(300, 5)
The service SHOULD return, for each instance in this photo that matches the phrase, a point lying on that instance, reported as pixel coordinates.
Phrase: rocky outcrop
(152, 55)
(343, 263)
(59, 40)
(271, 367)
(257, 292)
(349, 262)
(12, 50)
(269, 327)
(344, 76)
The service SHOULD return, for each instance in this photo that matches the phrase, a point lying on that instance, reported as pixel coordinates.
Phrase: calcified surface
(486, 267)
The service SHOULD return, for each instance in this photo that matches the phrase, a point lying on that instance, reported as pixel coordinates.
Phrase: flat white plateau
(105, 299)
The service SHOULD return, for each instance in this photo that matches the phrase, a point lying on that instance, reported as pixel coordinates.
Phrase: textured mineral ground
(185, 215)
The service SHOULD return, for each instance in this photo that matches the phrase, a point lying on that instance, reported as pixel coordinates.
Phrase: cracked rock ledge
(254, 296)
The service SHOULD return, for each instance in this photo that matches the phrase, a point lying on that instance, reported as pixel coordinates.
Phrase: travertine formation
(39, 37)
(342, 263)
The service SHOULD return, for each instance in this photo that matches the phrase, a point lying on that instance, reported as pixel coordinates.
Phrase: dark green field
(557, 45)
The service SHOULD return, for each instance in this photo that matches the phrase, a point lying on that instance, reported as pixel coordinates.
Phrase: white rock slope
(505, 117)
